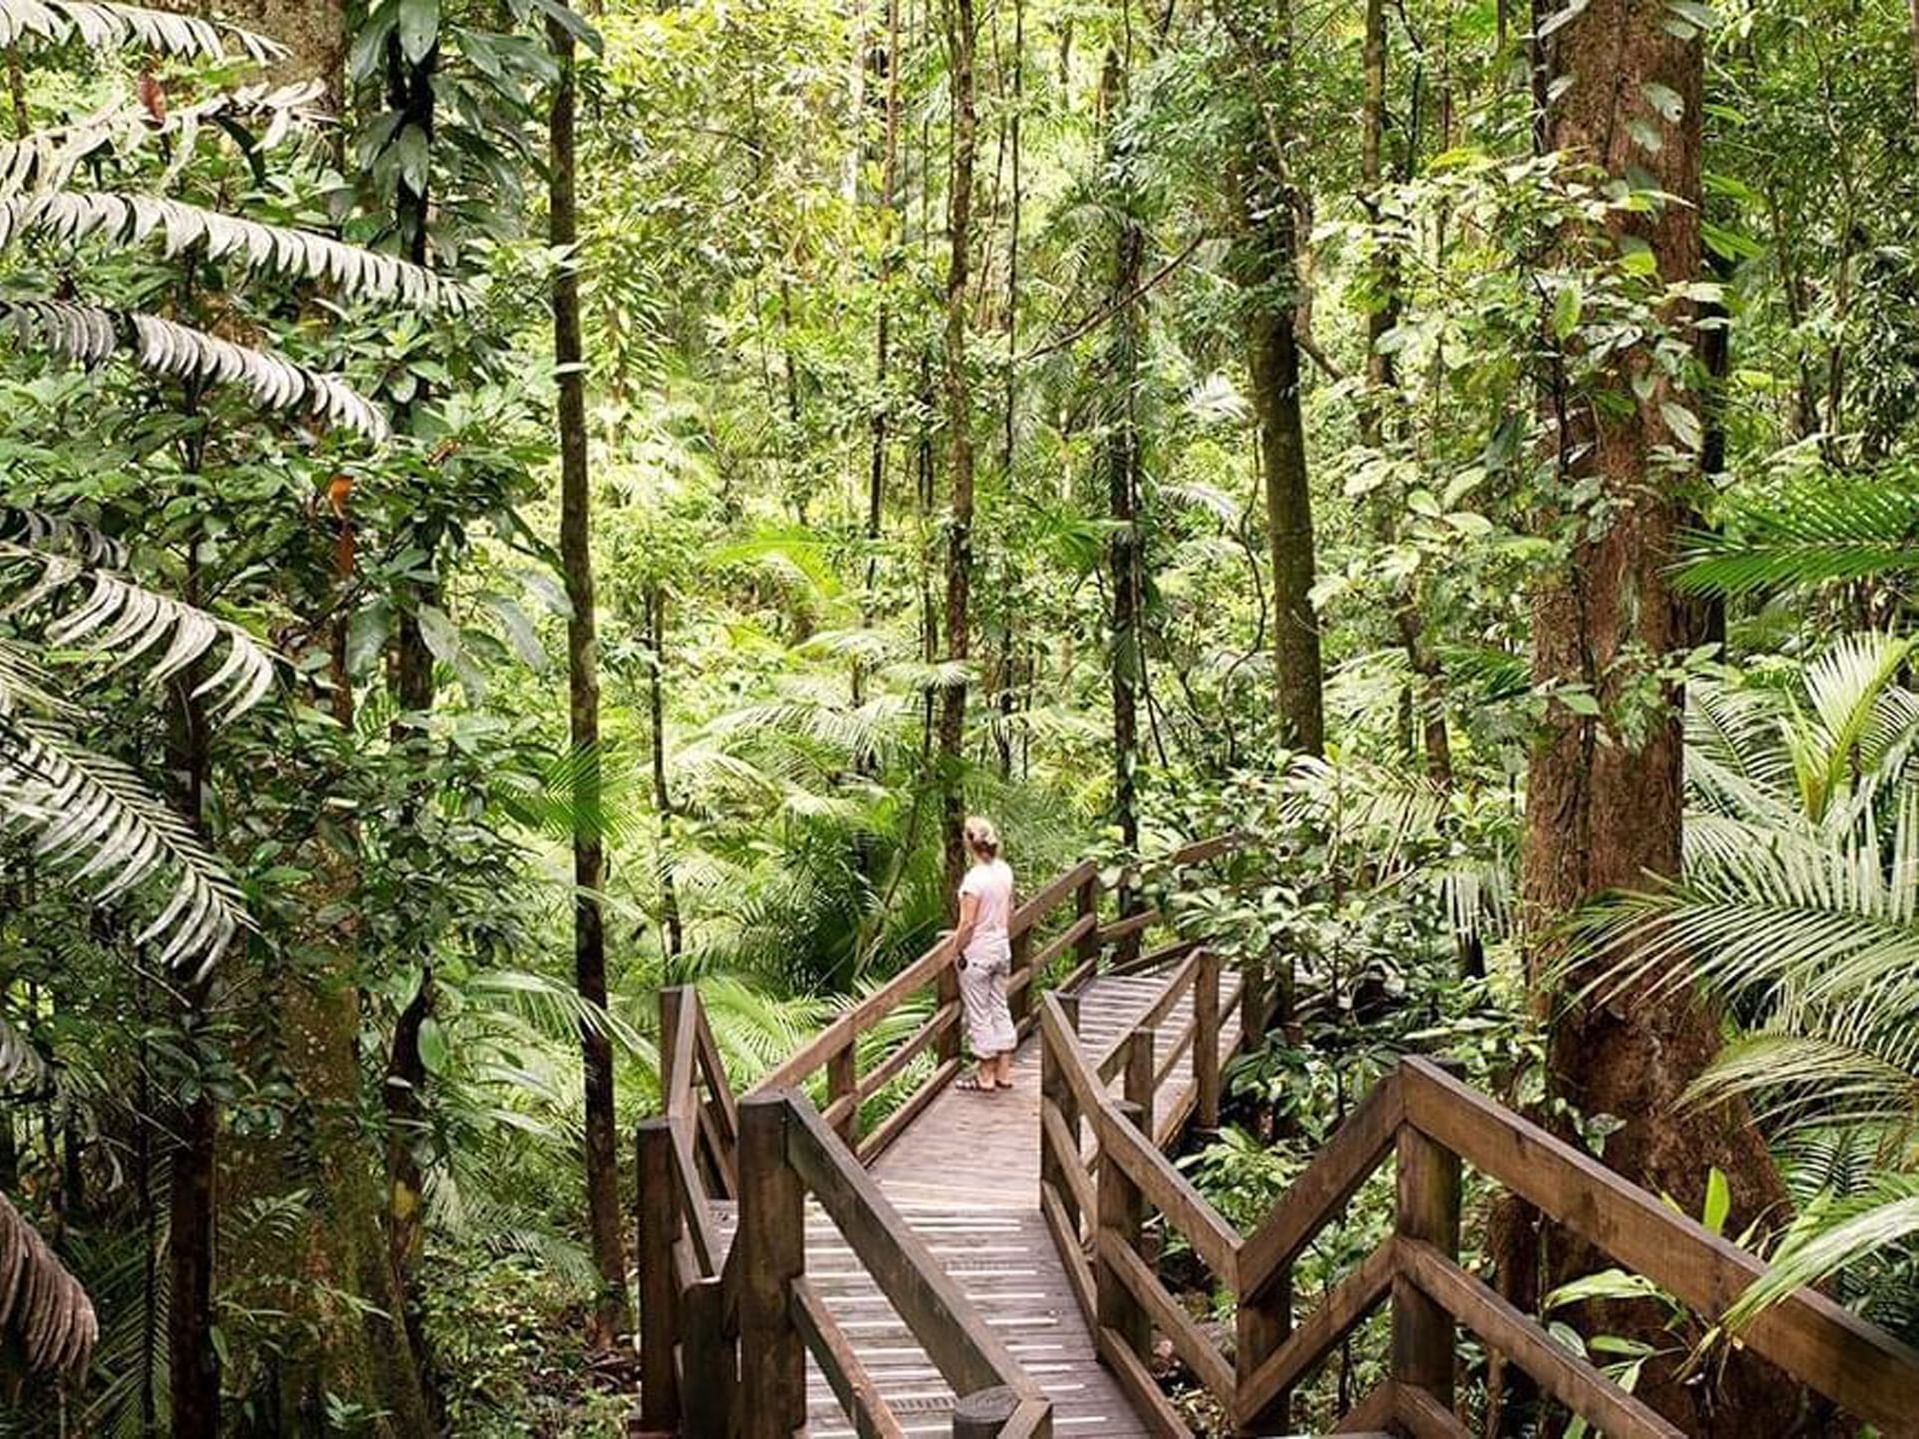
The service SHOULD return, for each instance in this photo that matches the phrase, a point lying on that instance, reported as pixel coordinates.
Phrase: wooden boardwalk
(965, 1176)
(933, 1275)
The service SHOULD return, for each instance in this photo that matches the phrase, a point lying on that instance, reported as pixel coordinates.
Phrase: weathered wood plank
(1860, 1367)
(1072, 1168)
(1566, 1376)
(1320, 1193)
(1426, 1210)
(1186, 1337)
(969, 1355)
(1079, 1273)
(856, 1020)
(895, 1124)
(1341, 1312)
(1423, 1417)
(1150, 1403)
(859, 1396)
(772, 1249)
(1214, 1240)
(1050, 896)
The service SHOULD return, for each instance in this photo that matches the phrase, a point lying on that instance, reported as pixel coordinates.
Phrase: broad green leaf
(419, 28)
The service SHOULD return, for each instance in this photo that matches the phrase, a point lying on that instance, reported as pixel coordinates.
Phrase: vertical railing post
(946, 991)
(710, 1360)
(1122, 1215)
(842, 1081)
(1129, 947)
(1206, 1040)
(982, 1415)
(659, 1226)
(1253, 1011)
(1086, 902)
(1263, 1322)
(672, 1015)
(1022, 963)
(1427, 1210)
(1057, 1091)
(1141, 1058)
(773, 1233)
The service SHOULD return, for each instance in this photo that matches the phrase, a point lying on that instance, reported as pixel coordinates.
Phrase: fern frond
(120, 621)
(40, 1302)
(104, 26)
(74, 215)
(93, 334)
(92, 816)
(1833, 1237)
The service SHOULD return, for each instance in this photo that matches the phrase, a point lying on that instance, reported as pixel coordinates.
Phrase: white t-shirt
(992, 884)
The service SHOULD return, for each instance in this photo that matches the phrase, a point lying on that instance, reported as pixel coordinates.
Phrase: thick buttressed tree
(1605, 794)
(583, 689)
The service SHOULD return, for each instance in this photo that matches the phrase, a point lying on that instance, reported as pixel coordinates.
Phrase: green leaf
(1667, 101)
(433, 1049)
(1683, 424)
(441, 635)
(1566, 307)
(1694, 13)
(366, 636)
(419, 28)
(1718, 1202)
(1606, 1284)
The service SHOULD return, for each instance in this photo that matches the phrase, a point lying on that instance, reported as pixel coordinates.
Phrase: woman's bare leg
(987, 1075)
(1003, 1068)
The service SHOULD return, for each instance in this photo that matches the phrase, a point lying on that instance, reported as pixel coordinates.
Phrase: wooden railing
(856, 1075)
(1097, 1206)
(703, 1305)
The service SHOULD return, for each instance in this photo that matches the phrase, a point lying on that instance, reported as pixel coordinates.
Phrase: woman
(985, 956)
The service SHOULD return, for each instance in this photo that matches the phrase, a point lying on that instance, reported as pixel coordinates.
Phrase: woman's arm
(968, 921)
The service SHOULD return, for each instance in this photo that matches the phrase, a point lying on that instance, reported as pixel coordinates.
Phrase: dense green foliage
(286, 784)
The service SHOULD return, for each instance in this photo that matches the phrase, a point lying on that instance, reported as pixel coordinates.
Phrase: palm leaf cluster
(1812, 531)
(1799, 912)
(102, 26)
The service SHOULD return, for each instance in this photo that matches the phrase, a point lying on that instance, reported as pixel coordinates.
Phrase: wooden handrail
(1819, 1342)
(1434, 1123)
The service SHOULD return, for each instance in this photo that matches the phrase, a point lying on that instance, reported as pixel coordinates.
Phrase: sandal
(970, 1083)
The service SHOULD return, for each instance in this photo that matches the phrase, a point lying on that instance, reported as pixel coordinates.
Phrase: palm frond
(75, 215)
(93, 817)
(42, 529)
(40, 1302)
(1812, 533)
(93, 334)
(120, 621)
(48, 159)
(1833, 1237)
(104, 26)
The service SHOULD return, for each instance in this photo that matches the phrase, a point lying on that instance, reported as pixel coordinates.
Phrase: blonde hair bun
(982, 836)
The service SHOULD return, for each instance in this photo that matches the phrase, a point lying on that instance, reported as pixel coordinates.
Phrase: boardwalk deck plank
(965, 1175)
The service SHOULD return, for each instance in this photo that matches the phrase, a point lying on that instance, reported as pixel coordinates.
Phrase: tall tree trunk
(961, 38)
(583, 689)
(1604, 807)
(1120, 458)
(1268, 265)
(662, 792)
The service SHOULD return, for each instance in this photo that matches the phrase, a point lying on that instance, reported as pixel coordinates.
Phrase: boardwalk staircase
(986, 1265)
